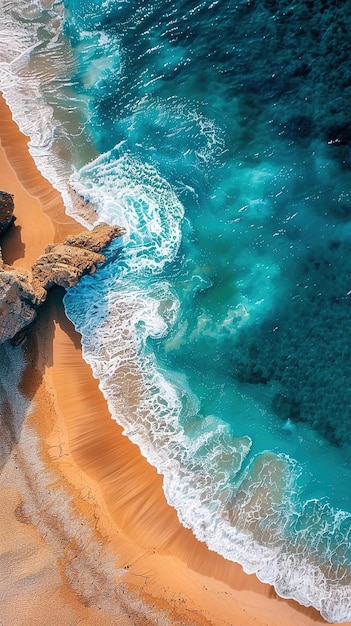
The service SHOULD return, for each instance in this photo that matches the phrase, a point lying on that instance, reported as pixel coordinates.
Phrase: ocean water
(218, 133)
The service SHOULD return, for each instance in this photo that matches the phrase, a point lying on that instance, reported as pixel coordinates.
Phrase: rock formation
(18, 302)
(7, 217)
(21, 292)
(63, 265)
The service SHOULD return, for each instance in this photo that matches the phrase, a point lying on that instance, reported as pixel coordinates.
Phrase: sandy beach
(86, 535)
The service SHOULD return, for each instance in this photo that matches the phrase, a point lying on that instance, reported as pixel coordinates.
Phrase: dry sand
(86, 536)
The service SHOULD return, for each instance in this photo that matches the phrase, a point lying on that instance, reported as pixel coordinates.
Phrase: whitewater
(218, 329)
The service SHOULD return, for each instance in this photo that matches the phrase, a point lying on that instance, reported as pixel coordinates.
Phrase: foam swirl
(243, 506)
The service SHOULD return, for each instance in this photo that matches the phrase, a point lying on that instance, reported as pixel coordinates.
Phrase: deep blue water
(220, 329)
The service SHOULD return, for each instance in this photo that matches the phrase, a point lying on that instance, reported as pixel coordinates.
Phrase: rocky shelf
(22, 292)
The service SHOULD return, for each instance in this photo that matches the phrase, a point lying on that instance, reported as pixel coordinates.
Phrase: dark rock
(19, 337)
(7, 217)
(18, 302)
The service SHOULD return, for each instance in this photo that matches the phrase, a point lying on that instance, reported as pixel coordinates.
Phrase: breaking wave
(246, 507)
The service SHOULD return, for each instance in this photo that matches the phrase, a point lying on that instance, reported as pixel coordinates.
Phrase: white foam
(199, 459)
(199, 464)
(34, 59)
(131, 193)
(99, 57)
(247, 516)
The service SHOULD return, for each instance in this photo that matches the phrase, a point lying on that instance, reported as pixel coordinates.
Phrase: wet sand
(86, 536)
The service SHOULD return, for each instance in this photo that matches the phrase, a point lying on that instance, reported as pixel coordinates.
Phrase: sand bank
(86, 536)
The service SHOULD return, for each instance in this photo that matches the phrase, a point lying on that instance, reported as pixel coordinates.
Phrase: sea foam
(244, 507)
(36, 64)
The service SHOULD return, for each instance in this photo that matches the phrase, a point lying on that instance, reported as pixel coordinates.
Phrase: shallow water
(219, 331)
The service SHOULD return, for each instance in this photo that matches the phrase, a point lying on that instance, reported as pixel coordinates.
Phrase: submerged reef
(294, 349)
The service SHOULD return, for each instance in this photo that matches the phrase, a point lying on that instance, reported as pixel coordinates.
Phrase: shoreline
(97, 478)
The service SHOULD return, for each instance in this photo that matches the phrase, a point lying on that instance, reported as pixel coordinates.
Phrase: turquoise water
(219, 329)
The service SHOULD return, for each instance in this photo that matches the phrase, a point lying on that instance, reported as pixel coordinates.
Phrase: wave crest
(244, 507)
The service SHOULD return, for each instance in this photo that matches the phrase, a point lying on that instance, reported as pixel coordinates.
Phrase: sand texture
(86, 536)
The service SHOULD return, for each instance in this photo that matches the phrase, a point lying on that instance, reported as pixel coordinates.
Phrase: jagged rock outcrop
(63, 265)
(96, 239)
(21, 293)
(18, 302)
(7, 217)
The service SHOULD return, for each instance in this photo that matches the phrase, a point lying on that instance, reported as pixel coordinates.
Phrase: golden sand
(86, 536)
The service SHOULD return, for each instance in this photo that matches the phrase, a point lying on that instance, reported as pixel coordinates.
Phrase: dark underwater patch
(303, 349)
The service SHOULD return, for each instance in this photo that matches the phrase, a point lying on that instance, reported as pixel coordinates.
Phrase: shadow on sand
(21, 374)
